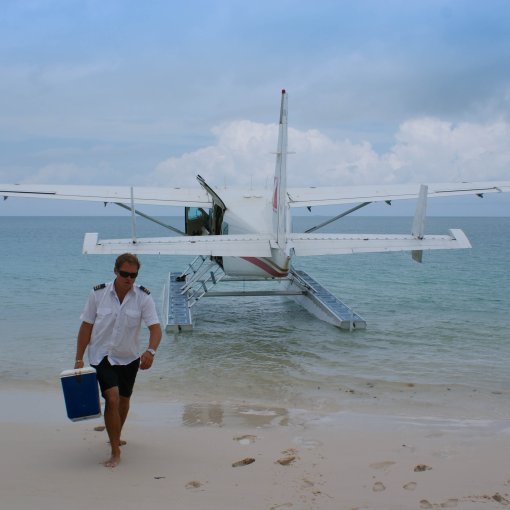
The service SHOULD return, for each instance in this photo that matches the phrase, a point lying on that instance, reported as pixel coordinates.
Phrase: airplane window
(194, 213)
(197, 221)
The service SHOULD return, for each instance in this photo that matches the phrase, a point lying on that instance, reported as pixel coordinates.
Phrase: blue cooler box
(81, 393)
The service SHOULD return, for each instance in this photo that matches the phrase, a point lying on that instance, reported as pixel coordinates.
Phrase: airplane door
(217, 211)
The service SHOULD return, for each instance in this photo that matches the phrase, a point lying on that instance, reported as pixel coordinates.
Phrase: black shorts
(122, 376)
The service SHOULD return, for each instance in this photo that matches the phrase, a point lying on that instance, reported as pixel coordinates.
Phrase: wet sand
(235, 455)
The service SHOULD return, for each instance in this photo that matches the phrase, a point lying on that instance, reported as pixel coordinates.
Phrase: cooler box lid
(78, 371)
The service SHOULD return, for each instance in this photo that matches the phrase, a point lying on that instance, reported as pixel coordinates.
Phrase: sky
(154, 93)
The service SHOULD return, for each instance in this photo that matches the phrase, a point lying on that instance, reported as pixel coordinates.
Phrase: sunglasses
(125, 274)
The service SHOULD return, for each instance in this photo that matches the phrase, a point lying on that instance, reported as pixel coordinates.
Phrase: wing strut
(150, 218)
(418, 229)
(133, 217)
(331, 220)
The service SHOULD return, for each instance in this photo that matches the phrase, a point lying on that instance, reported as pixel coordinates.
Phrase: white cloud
(435, 150)
(240, 157)
(425, 150)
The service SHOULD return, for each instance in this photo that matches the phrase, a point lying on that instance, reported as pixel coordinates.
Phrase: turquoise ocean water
(437, 341)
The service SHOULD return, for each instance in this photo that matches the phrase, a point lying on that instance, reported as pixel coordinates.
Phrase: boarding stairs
(320, 302)
(201, 276)
(184, 290)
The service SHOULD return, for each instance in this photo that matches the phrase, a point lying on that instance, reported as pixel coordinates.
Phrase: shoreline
(398, 399)
(181, 455)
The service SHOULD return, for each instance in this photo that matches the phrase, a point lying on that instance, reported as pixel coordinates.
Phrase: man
(110, 329)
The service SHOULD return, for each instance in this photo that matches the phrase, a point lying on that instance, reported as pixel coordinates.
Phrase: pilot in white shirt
(110, 329)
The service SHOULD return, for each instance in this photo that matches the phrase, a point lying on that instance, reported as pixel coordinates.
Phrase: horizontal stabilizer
(342, 244)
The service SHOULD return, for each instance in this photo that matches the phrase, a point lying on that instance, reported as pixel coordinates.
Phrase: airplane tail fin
(280, 179)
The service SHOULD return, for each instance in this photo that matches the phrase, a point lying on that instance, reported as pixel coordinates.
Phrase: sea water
(437, 341)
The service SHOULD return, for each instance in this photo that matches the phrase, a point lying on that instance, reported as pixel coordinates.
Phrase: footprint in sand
(421, 467)
(244, 462)
(426, 504)
(410, 486)
(194, 484)
(285, 461)
(378, 487)
(500, 499)
(289, 456)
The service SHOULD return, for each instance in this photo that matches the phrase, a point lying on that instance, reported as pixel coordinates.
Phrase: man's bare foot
(113, 461)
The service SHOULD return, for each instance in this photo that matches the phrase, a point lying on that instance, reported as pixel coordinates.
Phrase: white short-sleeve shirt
(116, 330)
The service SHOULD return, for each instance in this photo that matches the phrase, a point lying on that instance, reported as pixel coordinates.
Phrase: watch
(152, 351)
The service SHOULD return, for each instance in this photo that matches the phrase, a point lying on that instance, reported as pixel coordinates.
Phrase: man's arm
(84, 335)
(147, 358)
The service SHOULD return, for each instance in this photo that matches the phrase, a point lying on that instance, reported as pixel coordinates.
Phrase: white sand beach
(193, 456)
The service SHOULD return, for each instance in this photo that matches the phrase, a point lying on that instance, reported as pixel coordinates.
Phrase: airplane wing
(197, 197)
(191, 197)
(303, 197)
(253, 245)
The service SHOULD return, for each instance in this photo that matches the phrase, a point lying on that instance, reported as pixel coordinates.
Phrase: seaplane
(245, 235)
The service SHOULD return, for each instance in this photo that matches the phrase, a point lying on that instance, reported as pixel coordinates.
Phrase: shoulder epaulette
(147, 291)
(100, 286)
